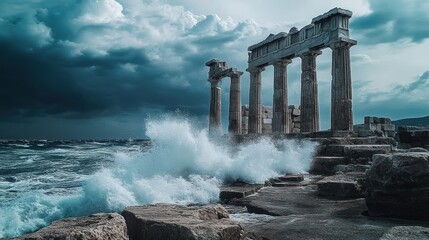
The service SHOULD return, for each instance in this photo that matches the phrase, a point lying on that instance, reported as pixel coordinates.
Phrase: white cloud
(101, 12)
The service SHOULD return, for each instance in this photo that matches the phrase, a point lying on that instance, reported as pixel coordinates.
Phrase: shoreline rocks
(398, 185)
(169, 221)
(100, 226)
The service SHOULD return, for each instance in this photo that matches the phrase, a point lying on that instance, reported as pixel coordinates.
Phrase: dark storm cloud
(391, 21)
(86, 59)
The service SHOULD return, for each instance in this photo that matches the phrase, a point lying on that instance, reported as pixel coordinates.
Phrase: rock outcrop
(398, 185)
(101, 226)
(168, 221)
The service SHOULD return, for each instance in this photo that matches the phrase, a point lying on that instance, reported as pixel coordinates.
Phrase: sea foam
(183, 166)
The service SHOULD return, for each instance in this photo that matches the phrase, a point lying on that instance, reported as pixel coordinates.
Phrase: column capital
(341, 44)
(310, 53)
(235, 74)
(255, 69)
(281, 62)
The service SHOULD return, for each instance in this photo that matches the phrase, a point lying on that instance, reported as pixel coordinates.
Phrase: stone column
(341, 94)
(234, 126)
(280, 99)
(255, 100)
(309, 94)
(215, 107)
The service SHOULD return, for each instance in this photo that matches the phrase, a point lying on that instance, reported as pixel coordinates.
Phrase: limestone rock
(417, 149)
(406, 232)
(352, 168)
(398, 185)
(238, 191)
(341, 185)
(327, 165)
(169, 221)
(99, 226)
(365, 151)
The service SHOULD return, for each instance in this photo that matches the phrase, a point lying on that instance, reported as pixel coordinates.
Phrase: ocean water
(42, 181)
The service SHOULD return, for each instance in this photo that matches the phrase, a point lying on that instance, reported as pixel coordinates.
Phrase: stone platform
(281, 213)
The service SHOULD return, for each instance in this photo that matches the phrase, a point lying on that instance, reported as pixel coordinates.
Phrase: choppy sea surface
(42, 181)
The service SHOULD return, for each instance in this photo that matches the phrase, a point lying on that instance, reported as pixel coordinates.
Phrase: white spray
(183, 166)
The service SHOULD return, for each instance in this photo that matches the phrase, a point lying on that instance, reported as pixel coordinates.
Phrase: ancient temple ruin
(329, 30)
(218, 71)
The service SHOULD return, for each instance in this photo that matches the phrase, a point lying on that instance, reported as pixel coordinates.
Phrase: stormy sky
(75, 69)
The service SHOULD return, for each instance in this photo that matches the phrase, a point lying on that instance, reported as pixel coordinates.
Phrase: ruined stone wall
(375, 126)
(294, 113)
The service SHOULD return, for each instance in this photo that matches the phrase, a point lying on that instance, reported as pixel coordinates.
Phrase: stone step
(292, 178)
(366, 151)
(352, 168)
(360, 141)
(290, 184)
(356, 151)
(326, 165)
(341, 186)
(289, 180)
(230, 192)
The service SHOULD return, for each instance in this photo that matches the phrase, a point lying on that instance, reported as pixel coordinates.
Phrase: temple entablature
(323, 31)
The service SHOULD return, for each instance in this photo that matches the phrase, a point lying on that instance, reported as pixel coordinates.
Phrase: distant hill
(419, 122)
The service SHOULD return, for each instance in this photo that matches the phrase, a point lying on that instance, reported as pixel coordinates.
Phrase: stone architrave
(215, 107)
(234, 126)
(255, 100)
(280, 98)
(309, 92)
(341, 94)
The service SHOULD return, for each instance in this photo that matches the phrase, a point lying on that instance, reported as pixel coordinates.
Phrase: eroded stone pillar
(309, 92)
(234, 126)
(341, 94)
(215, 107)
(255, 100)
(280, 97)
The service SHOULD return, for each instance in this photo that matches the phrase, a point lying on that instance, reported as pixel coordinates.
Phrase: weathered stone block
(292, 178)
(327, 165)
(230, 192)
(168, 222)
(368, 120)
(352, 168)
(387, 127)
(365, 133)
(398, 185)
(334, 150)
(94, 227)
(340, 185)
(296, 112)
(365, 151)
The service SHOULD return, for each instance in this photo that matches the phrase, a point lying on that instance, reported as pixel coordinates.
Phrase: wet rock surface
(95, 227)
(340, 185)
(238, 190)
(300, 213)
(406, 232)
(169, 221)
(398, 185)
